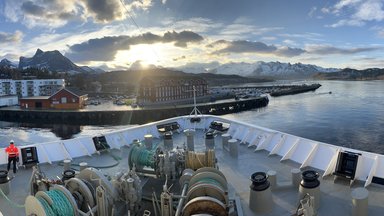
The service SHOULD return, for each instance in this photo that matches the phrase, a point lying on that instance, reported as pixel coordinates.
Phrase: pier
(273, 90)
(134, 116)
(294, 90)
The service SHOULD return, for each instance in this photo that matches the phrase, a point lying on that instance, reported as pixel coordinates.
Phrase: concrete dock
(132, 116)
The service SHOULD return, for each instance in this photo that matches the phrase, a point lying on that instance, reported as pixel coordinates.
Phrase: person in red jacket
(13, 155)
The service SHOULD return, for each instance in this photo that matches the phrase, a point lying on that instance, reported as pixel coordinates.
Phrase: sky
(118, 34)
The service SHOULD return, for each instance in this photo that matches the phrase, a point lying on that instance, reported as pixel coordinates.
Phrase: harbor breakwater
(134, 116)
(289, 90)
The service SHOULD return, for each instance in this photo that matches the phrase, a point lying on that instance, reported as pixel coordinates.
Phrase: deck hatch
(168, 127)
(346, 164)
(29, 156)
(219, 126)
(378, 180)
(100, 143)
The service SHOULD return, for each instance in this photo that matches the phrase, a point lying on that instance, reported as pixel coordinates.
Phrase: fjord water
(352, 116)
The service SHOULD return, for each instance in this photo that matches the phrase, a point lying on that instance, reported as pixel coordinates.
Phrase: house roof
(71, 90)
(35, 98)
(76, 91)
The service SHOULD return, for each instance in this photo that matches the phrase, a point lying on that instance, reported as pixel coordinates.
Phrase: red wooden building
(65, 98)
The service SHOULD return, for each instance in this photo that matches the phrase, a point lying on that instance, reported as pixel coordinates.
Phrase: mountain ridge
(8, 64)
(53, 61)
(353, 74)
(258, 69)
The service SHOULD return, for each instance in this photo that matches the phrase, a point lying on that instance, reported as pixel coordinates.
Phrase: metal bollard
(359, 201)
(67, 164)
(189, 133)
(296, 177)
(233, 143)
(148, 141)
(272, 178)
(209, 141)
(224, 139)
(83, 165)
(4, 182)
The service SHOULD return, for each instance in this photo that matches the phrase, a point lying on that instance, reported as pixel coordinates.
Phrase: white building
(30, 88)
(10, 100)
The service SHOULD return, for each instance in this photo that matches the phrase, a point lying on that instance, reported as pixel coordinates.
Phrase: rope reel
(197, 160)
(96, 178)
(207, 193)
(56, 202)
(141, 157)
(205, 206)
(80, 191)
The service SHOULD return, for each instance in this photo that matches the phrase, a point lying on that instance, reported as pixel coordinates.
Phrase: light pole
(195, 110)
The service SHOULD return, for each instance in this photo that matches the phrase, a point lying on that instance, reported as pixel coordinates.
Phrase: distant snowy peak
(287, 70)
(7, 63)
(51, 60)
(257, 69)
(92, 70)
(54, 61)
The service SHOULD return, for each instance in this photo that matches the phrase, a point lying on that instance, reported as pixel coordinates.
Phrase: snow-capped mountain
(258, 69)
(92, 70)
(7, 63)
(53, 61)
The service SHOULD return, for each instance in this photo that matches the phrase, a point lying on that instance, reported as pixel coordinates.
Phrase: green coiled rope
(210, 181)
(60, 206)
(47, 208)
(142, 157)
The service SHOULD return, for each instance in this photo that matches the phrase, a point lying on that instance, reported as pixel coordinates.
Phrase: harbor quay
(133, 116)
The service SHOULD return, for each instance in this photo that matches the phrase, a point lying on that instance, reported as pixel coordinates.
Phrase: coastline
(134, 116)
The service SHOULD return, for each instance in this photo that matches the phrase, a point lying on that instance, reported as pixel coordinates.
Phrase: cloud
(290, 42)
(179, 58)
(304, 36)
(345, 3)
(327, 50)
(358, 11)
(368, 62)
(243, 46)
(104, 10)
(243, 30)
(345, 22)
(10, 56)
(181, 39)
(289, 51)
(312, 12)
(10, 38)
(43, 13)
(105, 49)
(56, 13)
(198, 24)
(30, 8)
(268, 38)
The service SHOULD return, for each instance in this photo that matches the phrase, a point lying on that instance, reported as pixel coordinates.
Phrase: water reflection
(66, 131)
(27, 133)
(352, 116)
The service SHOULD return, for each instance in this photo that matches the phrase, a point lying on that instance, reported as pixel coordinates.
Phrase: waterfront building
(30, 88)
(8, 100)
(171, 90)
(65, 98)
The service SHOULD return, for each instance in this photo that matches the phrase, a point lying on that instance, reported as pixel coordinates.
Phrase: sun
(147, 54)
